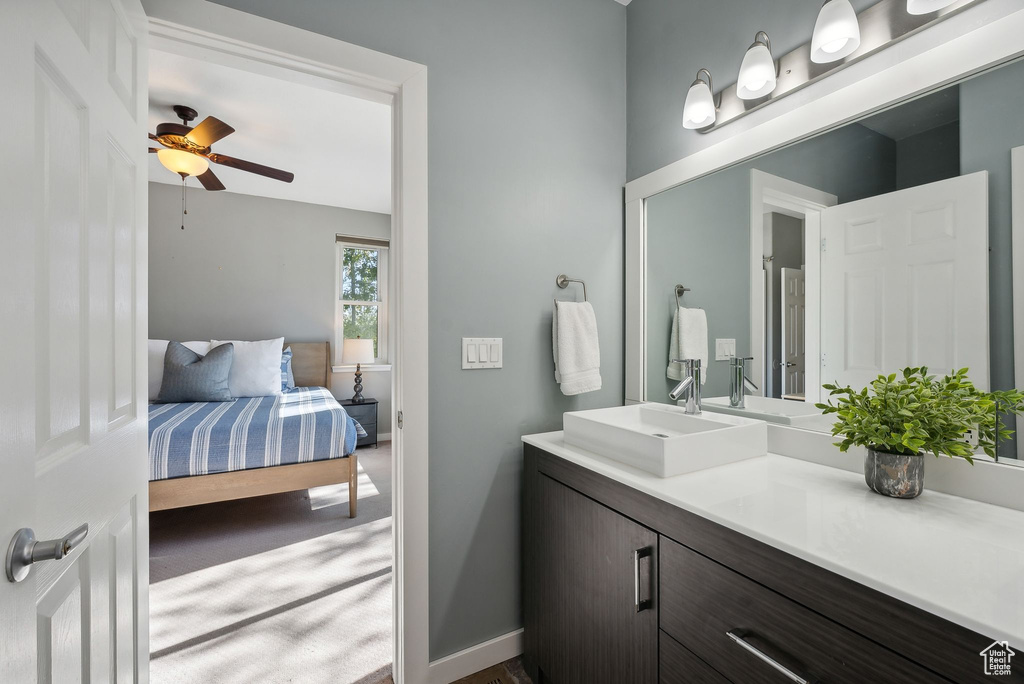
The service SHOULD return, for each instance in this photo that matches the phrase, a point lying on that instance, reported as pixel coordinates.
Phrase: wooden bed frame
(311, 366)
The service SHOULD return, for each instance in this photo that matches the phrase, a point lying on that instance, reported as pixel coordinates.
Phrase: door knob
(25, 550)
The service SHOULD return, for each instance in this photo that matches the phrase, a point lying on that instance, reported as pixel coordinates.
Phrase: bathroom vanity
(770, 569)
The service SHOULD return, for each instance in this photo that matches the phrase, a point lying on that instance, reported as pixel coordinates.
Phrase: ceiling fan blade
(153, 137)
(251, 167)
(209, 131)
(153, 149)
(210, 181)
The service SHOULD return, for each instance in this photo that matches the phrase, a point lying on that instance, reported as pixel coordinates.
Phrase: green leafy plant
(915, 412)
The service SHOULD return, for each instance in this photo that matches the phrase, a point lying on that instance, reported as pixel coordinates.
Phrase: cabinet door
(596, 608)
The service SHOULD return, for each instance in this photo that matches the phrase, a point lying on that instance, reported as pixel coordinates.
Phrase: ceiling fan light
(927, 6)
(757, 71)
(699, 108)
(836, 32)
(181, 162)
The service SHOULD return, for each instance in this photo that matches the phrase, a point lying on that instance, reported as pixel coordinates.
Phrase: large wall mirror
(879, 244)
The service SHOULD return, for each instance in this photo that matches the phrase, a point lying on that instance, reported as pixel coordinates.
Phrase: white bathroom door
(794, 321)
(73, 311)
(904, 282)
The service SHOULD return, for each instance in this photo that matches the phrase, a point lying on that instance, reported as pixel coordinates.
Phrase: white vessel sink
(782, 411)
(663, 440)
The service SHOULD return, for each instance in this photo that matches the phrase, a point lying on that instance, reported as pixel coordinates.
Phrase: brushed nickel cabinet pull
(764, 657)
(645, 604)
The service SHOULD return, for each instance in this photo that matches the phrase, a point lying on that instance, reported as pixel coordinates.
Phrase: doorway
(209, 31)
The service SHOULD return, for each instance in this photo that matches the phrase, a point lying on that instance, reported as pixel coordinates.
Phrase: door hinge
(822, 244)
(400, 420)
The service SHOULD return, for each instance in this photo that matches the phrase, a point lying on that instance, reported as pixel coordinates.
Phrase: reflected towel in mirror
(689, 341)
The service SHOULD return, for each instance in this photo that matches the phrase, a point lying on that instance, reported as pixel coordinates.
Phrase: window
(361, 295)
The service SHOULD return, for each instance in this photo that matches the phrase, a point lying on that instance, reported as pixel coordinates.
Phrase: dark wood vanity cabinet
(620, 587)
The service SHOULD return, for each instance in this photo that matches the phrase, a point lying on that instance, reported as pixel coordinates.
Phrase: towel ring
(680, 291)
(563, 281)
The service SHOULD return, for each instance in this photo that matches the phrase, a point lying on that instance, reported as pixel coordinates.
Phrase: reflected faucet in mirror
(690, 386)
(739, 383)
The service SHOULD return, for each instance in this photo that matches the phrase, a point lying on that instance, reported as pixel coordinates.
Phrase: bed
(218, 451)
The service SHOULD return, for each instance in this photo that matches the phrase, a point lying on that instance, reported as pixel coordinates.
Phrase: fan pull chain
(184, 210)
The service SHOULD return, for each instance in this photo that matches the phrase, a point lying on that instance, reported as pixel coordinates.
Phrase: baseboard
(384, 437)
(476, 658)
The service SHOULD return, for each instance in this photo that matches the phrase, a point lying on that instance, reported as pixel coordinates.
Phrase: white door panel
(905, 282)
(73, 272)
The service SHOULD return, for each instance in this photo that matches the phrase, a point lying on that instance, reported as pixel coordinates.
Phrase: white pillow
(255, 367)
(157, 349)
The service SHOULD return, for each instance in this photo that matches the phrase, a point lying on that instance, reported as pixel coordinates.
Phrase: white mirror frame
(981, 37)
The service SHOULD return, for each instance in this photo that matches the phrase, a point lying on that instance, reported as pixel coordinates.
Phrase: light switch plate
(725, 349)
(481, 352)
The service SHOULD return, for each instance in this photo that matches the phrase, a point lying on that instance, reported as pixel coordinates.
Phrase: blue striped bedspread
(300, 425)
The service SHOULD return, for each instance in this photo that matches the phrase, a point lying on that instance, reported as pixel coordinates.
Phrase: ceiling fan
(186, 150)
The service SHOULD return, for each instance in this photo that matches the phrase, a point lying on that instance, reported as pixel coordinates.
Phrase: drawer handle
(645, 604)
(765, 657)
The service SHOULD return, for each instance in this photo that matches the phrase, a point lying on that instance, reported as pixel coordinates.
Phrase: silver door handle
(764, 657)
(25, 550)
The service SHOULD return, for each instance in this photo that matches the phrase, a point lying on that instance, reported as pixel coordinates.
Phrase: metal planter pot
(896, 475)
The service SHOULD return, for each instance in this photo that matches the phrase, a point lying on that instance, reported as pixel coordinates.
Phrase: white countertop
(957, 558)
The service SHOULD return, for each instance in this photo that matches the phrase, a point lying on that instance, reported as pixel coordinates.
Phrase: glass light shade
(836, 32)
(926, 6)
(699, 108)
(180, 161)
(358, 350)
(757, 73)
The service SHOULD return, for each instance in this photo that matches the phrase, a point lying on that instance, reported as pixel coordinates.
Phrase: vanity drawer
(702, 603)
(676, 665)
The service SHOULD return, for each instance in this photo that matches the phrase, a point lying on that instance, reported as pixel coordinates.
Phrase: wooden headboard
(311, 363)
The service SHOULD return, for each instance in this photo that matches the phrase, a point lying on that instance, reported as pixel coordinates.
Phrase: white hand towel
(576, 351)
(689, 341)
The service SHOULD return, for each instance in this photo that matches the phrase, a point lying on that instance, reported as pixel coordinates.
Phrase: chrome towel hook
(563, 282)
(680, 291)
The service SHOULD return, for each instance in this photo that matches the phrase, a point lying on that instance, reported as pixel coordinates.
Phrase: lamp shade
(926, 6)
(836, 32)
(182, 162)
(757, 73)
(699, 108)
(357, 351)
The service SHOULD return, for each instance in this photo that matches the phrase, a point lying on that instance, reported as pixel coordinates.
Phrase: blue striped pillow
(287, 379)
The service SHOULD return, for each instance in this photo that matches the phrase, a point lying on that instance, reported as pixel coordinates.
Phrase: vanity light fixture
(927, 6)
(699, 108)
(758, 75)
(836, 32)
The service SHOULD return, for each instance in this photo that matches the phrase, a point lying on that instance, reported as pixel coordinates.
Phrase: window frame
(382, 247)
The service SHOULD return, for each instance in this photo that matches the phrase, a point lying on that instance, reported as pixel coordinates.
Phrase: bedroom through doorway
(271, 534)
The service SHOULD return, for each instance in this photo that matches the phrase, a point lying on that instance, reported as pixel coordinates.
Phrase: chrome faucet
(690, 386)
(739, 383)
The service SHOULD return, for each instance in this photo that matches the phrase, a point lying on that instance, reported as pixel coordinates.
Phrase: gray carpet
(275, 589)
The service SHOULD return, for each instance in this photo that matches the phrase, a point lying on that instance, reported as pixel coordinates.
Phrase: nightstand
(364, 413)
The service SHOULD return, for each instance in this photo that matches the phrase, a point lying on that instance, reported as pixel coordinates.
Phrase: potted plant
(900, 417)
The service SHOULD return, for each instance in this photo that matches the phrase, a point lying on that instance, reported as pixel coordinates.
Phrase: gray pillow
(191, 377)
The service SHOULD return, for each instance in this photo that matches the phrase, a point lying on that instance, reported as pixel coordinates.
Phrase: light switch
(725, 349)
(481, 352)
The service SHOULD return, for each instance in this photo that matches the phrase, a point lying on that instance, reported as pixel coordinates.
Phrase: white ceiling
(338, 146)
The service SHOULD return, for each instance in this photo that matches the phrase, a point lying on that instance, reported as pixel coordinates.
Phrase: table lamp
(357, 351)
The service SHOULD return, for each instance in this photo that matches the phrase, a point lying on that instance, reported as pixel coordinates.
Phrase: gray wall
(990, 126)
(928, 157)
(698, 234)
(527, 141)
(669, 40)
(252, 268)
